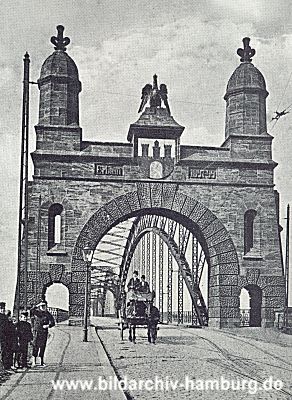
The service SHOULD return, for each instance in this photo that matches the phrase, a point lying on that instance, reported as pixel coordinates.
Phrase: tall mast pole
(287, 264)
(23, 193)
(38, 255)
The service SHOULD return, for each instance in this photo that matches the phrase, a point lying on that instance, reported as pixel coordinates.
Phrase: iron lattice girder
(113, 242)
(154, 261)
(195, 292)
(160, 275)
(141, 226)
(111, 252)
(180, 280)
(169, 286)
(148, 257)
(143, 258)
(109, 261)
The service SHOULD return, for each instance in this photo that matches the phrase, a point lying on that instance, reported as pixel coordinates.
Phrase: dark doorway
(255, 294)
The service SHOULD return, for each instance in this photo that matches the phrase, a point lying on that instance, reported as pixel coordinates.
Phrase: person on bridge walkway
(134, 282)
(43, 320)
(11, 342)
(153, 319)
(3, 338)
(144, 285)
(25, 336)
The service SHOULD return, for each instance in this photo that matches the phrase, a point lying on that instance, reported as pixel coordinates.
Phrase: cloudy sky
(118, 46)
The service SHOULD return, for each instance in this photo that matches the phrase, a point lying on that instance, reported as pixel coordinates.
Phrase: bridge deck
(199, 354)
(67, 358)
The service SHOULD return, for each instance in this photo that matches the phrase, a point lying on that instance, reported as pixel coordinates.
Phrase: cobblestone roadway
(202, 354)
(69, 358)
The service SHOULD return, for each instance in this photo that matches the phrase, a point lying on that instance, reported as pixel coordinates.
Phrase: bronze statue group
(23, 341)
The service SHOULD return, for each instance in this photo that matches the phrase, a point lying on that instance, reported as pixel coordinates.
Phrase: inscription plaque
(198, 173)
(113, 170)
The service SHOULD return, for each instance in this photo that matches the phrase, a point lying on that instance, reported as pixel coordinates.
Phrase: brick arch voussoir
(155, 195)
(221, 249)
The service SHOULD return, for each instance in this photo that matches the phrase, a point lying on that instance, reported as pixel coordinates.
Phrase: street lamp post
(87, 257)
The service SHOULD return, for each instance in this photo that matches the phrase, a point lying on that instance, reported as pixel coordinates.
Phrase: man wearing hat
(144, 285)
(134, 282)
(43, 320)
(24, 334)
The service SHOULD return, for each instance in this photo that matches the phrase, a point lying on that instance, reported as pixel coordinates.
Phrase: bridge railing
(244, 317)
(187, 317)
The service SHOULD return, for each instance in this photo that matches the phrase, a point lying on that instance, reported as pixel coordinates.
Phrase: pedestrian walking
(43, 320)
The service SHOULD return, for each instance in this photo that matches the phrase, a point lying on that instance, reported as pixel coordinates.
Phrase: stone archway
(255, 295)
(163, 197)
(57, 295)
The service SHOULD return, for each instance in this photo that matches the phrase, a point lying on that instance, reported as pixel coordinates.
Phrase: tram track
(234, 365)
(241, 339)
(126, 392)
(69, 338)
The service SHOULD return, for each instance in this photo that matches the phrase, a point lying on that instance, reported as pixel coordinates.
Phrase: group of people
(138, 285)
(16, 336)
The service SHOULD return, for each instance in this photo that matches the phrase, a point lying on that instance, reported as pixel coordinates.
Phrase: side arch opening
(57, 296)
(251, 306)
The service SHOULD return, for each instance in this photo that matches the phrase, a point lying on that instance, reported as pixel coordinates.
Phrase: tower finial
(60, 41)
(247, 52)
(155, 84)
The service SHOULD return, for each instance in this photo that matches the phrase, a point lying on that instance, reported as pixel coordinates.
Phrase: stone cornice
(163, 181)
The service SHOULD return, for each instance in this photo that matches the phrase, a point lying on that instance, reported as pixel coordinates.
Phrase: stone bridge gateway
(224, 194)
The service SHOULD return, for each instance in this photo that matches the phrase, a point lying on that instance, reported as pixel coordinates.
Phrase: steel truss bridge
(166, 252)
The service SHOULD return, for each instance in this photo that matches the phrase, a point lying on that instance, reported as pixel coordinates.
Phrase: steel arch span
(217, 243)
(153, 223)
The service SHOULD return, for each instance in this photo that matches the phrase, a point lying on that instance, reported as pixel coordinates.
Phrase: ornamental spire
(247, 52)
(60, 41)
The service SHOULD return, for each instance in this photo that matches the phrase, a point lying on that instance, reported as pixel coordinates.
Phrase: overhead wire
(173, 101)
(280, 102)
(285, 90)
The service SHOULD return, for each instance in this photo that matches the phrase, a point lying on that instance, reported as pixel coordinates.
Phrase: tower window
(249, 218)
(54, 225)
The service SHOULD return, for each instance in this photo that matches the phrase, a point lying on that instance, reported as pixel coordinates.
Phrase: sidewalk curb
(108, 367)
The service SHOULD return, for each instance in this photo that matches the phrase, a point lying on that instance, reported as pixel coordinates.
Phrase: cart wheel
(122, 331)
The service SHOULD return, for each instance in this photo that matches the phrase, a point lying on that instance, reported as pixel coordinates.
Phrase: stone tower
(246, 97)
(59, 87)
(245, 124)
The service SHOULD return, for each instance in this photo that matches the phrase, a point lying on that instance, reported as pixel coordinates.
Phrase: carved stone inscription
(113, 170)
(197, 173)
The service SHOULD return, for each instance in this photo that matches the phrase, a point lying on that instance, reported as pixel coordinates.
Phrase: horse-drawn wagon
(137, 310)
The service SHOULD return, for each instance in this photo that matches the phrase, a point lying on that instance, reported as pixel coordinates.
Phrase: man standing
(144, 285)
(134, 282)
(11, 343)
(43, 320)
(24, 334)
(153, 319)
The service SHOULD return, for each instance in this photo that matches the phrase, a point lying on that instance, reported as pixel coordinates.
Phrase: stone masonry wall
(82, 199)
